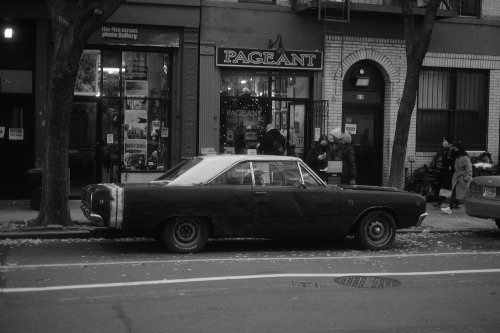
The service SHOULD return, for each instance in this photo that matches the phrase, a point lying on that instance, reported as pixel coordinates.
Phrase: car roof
(212, 165)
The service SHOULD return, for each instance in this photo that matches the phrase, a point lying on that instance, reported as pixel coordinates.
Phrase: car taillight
(474, 188)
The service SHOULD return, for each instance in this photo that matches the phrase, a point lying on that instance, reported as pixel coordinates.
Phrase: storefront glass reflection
(252, 102)
(130, 114)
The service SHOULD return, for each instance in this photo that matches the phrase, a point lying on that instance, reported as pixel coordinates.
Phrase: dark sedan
(483, 200)
(263, 196)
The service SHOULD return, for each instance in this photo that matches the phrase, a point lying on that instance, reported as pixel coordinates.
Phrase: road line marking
(177, 261)
(241, 277)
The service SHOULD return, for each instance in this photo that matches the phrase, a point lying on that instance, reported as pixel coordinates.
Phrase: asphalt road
(426, 283)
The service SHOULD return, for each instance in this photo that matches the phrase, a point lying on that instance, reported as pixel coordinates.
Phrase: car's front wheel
(185, 235)
(376, 231)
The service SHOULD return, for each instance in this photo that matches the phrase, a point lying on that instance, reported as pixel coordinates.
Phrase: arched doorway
(362, 116)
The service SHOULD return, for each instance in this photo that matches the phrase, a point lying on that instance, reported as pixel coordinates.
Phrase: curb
(59, 232)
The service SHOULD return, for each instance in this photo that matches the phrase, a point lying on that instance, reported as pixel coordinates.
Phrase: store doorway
(16, 144)
(362, 116)
(367, 143)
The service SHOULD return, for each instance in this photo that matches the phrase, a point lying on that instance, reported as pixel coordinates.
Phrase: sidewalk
(14, 217)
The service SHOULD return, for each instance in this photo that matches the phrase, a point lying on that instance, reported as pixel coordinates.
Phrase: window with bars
(452, 103)
(469, 8)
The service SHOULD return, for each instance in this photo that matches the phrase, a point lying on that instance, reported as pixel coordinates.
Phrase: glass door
(82, 146)
(366, 138)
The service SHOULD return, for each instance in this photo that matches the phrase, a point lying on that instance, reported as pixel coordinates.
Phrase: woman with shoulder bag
(461, 178)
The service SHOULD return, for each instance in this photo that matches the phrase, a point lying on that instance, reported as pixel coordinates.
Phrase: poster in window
(135, 65)
(155, 127)
(284, 119)
(87, 78)
(136, 104)
(135, 135)
(136, 123)
(277, 120)
(136, 88)
(135, 153)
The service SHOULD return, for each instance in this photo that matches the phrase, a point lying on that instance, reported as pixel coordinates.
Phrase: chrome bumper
(421, 219)
(92, 217)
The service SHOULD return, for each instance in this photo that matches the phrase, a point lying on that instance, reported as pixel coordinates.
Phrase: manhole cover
(367, 281)
(307, 285)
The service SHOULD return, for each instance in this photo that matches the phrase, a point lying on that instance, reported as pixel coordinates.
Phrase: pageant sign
(237, 57)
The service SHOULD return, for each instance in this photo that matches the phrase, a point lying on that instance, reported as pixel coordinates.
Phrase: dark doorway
(16, 145)
(362, 115)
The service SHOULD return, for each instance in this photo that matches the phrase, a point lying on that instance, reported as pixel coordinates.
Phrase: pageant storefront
(262, 87)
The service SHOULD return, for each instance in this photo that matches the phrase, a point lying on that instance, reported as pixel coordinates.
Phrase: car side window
(276, 173)
(261, 173)
(239, 174)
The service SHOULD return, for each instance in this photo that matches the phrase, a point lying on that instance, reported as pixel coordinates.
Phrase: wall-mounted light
(280, 49)
(360, 79)
(8, 32)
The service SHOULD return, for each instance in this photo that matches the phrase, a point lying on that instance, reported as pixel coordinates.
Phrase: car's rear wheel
(185, 235)
(497, 221)
(376, 231)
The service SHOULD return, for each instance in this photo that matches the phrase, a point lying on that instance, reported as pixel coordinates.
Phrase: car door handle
(260, 193)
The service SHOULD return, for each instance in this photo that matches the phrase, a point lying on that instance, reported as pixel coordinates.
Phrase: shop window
(135, 108)
(452, 103)
(469, 8)
(250, 101)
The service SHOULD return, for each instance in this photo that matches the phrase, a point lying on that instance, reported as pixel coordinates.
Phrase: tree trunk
(72, 22)
(403, 121)
(417, 43)
(54, 207)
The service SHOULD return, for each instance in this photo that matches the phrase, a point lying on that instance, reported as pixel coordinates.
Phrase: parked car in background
(228, 196)
(483, 200)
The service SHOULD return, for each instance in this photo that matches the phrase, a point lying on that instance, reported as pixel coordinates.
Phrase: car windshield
(178, 170)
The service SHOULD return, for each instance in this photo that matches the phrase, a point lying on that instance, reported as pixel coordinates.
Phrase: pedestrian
(317, 158)
(272, 143)
(444, 162)
(461, 178)
(343, 150)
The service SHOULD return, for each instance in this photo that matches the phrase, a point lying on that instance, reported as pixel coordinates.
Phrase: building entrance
(16, 145)
(362, 116)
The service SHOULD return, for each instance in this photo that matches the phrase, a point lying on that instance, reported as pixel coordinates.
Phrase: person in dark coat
(444, 161)
(343, 150)
(272, 143)
(317, 158)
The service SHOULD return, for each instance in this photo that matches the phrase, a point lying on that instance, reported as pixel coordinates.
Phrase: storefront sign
(237, 57)
(244, 113)
(120, 34)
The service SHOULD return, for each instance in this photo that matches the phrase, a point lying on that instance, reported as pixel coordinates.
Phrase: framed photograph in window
(136, 88)
(86, 83)
(277, 120)
(283, 119)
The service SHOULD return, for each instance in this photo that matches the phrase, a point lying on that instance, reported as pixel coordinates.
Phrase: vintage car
(232, 196)
(483, 199)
